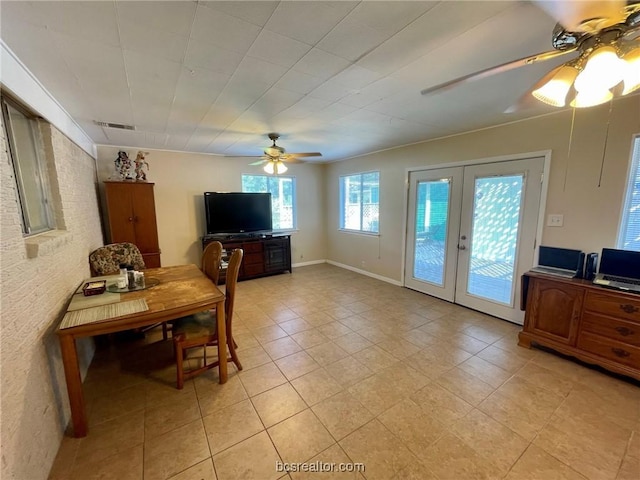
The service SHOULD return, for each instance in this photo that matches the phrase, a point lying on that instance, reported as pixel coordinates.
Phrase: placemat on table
(103, 312)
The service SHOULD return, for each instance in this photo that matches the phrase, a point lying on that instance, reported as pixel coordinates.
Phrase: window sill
(46, 243)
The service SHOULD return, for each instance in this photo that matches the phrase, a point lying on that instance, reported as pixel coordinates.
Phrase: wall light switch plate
(555, 220)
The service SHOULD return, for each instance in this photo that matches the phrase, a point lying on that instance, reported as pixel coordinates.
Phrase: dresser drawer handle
(624, 331)
(627, 308)
(620, 352)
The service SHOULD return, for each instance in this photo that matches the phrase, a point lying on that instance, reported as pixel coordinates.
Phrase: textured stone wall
(37, 277)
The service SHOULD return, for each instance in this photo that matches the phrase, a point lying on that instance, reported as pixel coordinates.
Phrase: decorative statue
(123, 164)
(140, 165)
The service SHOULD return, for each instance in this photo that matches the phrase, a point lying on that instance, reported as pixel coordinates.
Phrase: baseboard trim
(306, 264)
(364, 272)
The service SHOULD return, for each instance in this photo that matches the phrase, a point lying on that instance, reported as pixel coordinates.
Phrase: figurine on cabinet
(123, 165)
(140, 165)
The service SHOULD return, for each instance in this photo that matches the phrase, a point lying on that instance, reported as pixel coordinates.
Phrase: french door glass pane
(432, 213)
(496, 216)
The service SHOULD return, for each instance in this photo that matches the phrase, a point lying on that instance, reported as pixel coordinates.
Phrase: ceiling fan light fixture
(591, 98)
(603, 70)
(632, 71)
(280, 168)
(554, 92)
(275, 166)
(269, 167)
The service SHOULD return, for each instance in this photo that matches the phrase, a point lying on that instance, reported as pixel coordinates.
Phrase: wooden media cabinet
(263, 254)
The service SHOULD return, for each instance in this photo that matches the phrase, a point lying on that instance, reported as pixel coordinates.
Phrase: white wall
(182, 178)
(591, 212)
(34, 294)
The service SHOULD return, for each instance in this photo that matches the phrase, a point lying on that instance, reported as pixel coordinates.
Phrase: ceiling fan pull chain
(606, 139)
(566, 167)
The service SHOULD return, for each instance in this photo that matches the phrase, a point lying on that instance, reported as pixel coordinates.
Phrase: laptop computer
(619, 269)
(561, 262)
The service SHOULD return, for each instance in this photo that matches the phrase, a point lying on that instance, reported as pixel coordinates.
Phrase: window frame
(44, 198)
(632, 175)
(294, 198)
(341, 203)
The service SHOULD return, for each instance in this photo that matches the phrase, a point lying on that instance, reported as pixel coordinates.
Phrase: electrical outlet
(555, 220)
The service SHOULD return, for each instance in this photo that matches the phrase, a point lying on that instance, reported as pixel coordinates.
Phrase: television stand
(264, 254)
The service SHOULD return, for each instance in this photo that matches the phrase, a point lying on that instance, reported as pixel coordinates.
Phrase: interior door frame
(464, 163)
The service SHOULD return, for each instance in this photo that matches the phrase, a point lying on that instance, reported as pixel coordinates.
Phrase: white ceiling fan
(604, 34)
(275, 157)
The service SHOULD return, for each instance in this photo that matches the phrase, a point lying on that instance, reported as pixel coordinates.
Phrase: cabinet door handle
(628, 308)
(620, 352)
(131, 219)
(624, 331)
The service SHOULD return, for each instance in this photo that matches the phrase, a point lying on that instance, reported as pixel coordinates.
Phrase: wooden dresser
(131, 214)
(574, 317)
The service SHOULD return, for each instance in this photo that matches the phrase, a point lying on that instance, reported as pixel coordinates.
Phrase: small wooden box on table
(597, 325)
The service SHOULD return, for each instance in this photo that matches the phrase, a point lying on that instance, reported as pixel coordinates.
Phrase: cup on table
(139, 279)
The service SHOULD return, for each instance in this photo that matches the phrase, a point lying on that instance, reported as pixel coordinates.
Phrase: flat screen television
(228, 213)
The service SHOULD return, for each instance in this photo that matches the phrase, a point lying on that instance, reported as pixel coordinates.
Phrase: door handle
(461, 247)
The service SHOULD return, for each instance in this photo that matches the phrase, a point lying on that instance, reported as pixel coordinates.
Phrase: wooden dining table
(176, 292)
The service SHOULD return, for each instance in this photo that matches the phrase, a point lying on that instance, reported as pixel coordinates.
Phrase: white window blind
(629, 235)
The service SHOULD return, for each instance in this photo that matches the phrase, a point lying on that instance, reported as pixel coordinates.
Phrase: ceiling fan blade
(243, 156)
(487, 72)
(584, 16)
(259, 162)
(290, 159)
(306, 154)
(528, 100)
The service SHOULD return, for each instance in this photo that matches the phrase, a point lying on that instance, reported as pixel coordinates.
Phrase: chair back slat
(211, 259)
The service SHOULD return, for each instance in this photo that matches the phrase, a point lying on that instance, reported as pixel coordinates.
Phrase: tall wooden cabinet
(131, 215)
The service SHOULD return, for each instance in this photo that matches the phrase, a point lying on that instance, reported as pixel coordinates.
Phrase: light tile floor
(342, 368)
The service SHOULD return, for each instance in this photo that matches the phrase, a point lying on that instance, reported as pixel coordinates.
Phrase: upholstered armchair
(106, 260)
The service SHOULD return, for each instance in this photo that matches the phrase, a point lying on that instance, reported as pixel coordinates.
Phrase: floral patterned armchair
(106, 260)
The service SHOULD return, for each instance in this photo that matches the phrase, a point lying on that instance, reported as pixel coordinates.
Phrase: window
(283, 197)
(359, 202)
(629, 237)
(26, 152)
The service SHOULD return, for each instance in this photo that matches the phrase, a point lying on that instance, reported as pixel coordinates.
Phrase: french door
(471, 233)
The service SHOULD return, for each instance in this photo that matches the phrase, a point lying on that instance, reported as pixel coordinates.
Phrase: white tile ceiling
(342, 78)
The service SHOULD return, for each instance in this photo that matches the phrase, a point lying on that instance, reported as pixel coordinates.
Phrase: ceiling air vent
(114, 125)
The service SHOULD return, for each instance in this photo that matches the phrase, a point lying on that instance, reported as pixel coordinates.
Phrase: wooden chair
(200, 330)
(211, 260)
(210, 265)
